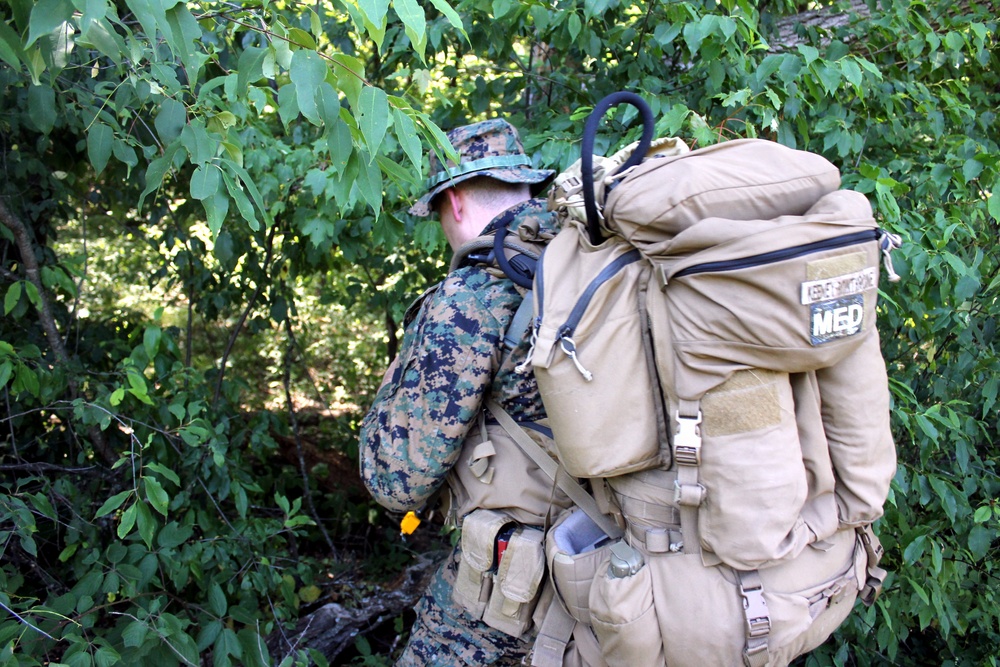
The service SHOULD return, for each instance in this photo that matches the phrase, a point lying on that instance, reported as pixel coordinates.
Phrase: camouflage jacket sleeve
(413, 433)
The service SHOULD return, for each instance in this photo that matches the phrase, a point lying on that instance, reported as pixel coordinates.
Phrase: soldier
(429, 424)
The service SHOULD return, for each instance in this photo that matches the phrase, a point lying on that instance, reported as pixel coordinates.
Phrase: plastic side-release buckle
(755, 613)
(687, 440)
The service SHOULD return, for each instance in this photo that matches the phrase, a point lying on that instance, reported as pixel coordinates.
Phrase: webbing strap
(688, 491)
(875, 574)
(553, 636)
(520, 322)
(757, 621)
(554, 471)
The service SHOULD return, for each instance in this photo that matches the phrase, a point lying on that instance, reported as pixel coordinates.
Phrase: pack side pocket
(624, 619)
(753, 471)
(518, 580)
(803, 619)
(474, 581)
(589, 346)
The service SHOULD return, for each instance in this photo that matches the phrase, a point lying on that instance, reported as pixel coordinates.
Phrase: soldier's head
(493, 174)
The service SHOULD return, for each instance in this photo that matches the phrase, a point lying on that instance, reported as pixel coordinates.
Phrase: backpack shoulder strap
(580, 496)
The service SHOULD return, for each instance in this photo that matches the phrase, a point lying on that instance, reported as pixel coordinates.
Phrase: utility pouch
(517, 582)
(575, 549)
(624, 617)
(474, 582)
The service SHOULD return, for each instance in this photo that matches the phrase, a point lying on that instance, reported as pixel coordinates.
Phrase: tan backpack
(705, 345)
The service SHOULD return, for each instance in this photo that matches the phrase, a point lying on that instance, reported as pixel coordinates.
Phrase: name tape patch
(839, 287)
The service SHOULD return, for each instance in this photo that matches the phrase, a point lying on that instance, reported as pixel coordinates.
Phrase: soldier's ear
(457, 203)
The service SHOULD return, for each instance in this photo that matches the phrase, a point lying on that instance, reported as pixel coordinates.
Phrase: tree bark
(332, 628)
(26, 248)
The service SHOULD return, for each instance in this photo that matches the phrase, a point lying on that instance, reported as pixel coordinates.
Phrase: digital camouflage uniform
(451, 358)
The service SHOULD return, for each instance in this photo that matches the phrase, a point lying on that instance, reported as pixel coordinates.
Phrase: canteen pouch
(576, 548)
(474, 582)
(517, 582)
(624, 618)
(588, 347)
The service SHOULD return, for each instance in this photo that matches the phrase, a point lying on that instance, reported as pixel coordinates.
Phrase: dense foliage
(203, 229)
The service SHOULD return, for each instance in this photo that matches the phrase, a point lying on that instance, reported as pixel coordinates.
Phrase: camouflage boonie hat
(490, 148)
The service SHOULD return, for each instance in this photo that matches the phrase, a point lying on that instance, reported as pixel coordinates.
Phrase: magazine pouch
(517, 582)
(474, 582)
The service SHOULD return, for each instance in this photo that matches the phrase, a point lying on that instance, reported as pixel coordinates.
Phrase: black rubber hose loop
(519, 277)
(587, 151)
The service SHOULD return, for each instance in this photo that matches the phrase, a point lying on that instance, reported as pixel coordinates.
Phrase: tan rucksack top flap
(742, 179)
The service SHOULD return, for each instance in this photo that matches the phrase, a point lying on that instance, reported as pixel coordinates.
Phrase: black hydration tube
(587, 151)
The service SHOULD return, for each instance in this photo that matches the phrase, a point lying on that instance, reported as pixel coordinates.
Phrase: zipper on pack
(565, 333)
(855, 238)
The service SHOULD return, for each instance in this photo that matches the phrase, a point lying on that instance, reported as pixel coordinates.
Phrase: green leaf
(46, 16)
(25, 380)
(370, 184)
(42, 106)
(145, 521)
(851, 71)
(165, 471)
(41, 503)
(373, 117)
(127, 521)
(251, 68)
(99, 145)
(350, 74)
(307, 72)
(216, 208)
(10, 47)
(226, 645)
(170, 120)
(340, 143)
(243, 204)
(6, 371)
(809, 53)
(12, 297)
(156, 170)
(413, 17)
(106, 656)
(151, 340)
(449, 13)
(914, 550)
(217, 600)
(574, 25)
(205, 181)
(409, 139)
(134, 634)
(993, 201)
(374, 10)
(32, 292)
(208, 634)
(983, 514)
(980, 541)
(113, 503)
(173, 535)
